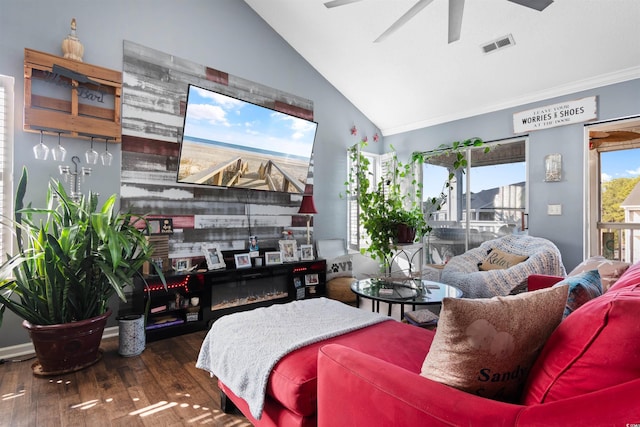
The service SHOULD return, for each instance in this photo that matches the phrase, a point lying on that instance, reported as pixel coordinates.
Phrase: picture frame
(160, 226)
(182, 264)
(289, 249)
(243, 260)
(272, 258)
(213, 255)
(311, 280)
(306, 252)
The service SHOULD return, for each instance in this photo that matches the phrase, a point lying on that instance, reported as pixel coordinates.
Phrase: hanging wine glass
(106, 157)
(91, 155)
(59, 153)
(41, 151)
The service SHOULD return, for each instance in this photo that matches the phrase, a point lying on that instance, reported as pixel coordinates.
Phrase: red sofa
(370, 377)
(588, 373)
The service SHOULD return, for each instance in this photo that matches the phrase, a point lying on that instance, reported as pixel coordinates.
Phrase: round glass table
(408, 291)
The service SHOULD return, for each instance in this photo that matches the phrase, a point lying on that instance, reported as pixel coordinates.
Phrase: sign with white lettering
(564, 113)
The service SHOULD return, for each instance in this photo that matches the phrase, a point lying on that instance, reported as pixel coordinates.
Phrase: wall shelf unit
(76, 99)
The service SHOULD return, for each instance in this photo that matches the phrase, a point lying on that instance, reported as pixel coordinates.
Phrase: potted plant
(72, 257)
(388, 214)
(384, 208)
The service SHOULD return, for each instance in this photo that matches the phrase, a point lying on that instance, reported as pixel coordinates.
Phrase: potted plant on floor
(72, 257)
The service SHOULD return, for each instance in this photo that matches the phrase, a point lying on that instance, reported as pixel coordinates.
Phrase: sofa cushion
(629, 278)
(582, 288)
(610, 270)
(341, 266)
(293, 381)
(487, 346)
(500, 260)
(598, 346)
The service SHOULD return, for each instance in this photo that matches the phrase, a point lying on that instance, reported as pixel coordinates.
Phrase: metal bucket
(131, 335)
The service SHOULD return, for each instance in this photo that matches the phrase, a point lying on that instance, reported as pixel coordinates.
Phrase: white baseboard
(19, 350)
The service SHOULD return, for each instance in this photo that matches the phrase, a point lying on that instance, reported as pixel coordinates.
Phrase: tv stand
(221, 292)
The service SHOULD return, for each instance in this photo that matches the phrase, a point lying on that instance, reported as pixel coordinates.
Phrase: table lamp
(308, 208)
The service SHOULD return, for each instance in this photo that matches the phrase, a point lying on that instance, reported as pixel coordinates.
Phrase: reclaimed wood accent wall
(154, 96)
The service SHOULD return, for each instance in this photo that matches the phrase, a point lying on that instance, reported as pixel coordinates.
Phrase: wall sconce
(553, 167)
(308, 208)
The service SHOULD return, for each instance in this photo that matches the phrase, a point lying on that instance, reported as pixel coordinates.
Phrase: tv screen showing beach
(228, 142)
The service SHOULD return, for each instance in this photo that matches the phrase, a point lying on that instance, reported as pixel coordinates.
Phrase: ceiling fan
(456, 8)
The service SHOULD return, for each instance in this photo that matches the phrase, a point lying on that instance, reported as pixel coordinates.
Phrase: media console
(193, 301)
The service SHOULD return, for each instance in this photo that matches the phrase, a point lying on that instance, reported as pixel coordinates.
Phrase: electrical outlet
(554, 209)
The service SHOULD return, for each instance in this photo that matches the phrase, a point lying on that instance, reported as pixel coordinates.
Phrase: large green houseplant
(71, 258)
(383, 205)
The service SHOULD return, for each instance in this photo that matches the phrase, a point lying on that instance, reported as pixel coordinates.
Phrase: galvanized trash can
(131, 336)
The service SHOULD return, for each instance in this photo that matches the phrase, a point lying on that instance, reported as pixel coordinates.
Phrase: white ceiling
(414, 78)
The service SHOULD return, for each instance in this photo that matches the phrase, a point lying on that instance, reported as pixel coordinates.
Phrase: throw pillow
(610, 270)
(487, 346)
(500, 260)
(595, 348)
(341, 266)
(582, 288)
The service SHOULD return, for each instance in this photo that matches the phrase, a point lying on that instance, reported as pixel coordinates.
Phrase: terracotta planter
(405, 233)
(67, 347)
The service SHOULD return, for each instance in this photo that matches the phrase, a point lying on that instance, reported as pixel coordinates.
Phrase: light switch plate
(554, 209)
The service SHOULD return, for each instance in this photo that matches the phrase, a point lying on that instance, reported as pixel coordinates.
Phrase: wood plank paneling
(153, 104)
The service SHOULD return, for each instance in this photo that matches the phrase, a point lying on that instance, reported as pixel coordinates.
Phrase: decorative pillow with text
(486, 346)
(341, 266)
(500, 260)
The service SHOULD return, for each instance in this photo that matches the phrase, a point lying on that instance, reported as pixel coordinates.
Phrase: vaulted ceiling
(415, 78)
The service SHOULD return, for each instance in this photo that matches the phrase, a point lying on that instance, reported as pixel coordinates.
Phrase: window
(6, 145)
(613, 156)
(485, 201)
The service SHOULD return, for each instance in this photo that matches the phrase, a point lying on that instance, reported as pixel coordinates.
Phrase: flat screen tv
(228, 142)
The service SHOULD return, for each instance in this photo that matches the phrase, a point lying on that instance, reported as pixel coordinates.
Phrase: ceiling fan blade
(421, 4)
(538, 5)
(336, 3)
(456, 8)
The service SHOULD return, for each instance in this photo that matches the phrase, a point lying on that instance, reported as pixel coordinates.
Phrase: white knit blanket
(242, 348)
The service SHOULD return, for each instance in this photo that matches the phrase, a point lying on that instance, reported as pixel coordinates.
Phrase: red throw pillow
(596, 347)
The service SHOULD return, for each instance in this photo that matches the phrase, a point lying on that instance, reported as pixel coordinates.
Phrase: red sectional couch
(588, 373)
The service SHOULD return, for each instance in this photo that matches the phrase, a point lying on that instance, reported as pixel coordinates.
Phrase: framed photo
(271, 258)
(183, 264)
(213, 255)
(306, 252)
(243, 260)
(311, 279)
(160, 226)
(289, 249)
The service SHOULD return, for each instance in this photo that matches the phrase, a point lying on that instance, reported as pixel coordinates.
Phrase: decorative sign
(564, 113)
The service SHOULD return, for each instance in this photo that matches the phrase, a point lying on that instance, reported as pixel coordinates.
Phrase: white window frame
(6, 158)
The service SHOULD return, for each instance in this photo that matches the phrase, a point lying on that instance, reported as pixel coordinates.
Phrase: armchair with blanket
(540, 255)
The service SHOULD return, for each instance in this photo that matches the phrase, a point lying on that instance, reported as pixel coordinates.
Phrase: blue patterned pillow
(583, 287)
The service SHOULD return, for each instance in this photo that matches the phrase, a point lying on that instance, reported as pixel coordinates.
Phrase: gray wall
(223, 34)
(566, 230)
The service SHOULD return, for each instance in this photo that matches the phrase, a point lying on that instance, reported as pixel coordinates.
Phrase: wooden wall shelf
(80, 100)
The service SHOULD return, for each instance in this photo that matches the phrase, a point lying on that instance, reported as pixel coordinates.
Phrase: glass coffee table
(403, 291)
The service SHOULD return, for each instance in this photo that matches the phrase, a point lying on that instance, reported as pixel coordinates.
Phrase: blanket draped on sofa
(242, 348)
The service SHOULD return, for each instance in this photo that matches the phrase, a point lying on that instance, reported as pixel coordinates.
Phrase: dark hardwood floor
(160, 387)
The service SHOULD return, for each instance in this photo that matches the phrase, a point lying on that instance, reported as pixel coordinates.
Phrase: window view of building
(487, 200)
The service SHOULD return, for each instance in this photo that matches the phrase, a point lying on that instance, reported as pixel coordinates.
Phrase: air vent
(497, 44)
